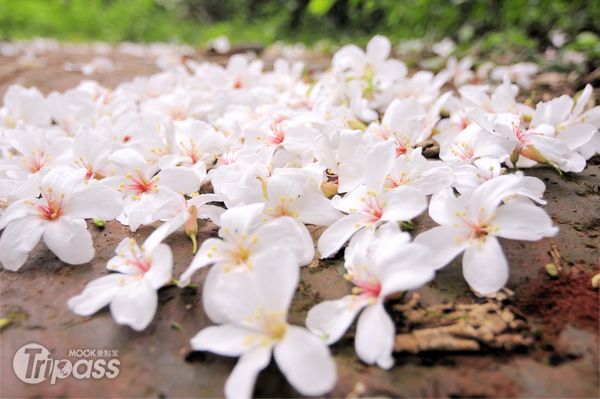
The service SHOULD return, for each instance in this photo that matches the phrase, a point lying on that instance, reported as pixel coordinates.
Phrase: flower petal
(375, 336)
(380, 160)
(96, 201)
(523, 221)
(97, 294)
(315, 209)
(378, 48)
(330, 319)
(338, 233)
(306, 362)
(202, 259)
(485, 267)
(285, 232)
(18, 239)
(179, 179)
(136, 305)
(240, 383)
(70, 240)
(443, 207)
(445, 243)
(162, 266)
(403, 203)
(225, 340)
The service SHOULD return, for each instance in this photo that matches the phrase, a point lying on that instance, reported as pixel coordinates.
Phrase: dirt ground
(560, 314)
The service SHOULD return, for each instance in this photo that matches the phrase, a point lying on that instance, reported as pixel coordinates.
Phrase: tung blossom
(255, 327)
(473, 223)
(147, 190)
(58, 216)
(245, 241)
(370, 205)
(131, 291)
(378, 266)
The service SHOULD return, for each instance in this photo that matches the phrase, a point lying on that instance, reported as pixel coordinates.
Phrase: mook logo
(33, 363)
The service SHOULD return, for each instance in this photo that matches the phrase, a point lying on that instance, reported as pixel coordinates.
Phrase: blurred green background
(511, 24)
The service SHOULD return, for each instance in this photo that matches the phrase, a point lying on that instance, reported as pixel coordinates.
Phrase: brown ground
(562, 312)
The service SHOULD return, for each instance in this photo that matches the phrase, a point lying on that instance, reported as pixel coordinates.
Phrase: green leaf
(320, 7)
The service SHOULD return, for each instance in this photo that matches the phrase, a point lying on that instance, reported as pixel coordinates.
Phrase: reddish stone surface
(158, 362)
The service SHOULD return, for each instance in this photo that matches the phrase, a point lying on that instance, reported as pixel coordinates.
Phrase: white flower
(472, 223)
(378, 267)
(370, 205)
(146, 189)
(255, 327)
(131, 292)
(24, 106)
(246, 240)
(58, 216)
(35, 150)
(293, 196)
(472, 144)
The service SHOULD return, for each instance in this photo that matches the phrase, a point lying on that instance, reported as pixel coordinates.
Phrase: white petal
(240, 383)
(179, 179)
(445, 243)
(162, 266)
(202, 259)
(97, 294)
(330, 319)
(276, 277)
(306, 362)
(378, 48)
(577, 135)
(485, 267)
(443, 207)
(214, 297)
(523, 221)
(408, 267)
(18, 239)
(403, 203)
(315, 209)
(285, 232)
(165, 229)
(70, 240)
(375, 336)
(96, 201)
(16, 210)
(338, 233)
(136, 305)
(486, 198)
(241, 219)
(380, 160)
(224, 340)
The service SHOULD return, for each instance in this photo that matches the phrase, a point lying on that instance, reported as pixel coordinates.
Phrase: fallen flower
(472, 223)
(131, 291)
(58, 216)
(256, 307)
(378, 267)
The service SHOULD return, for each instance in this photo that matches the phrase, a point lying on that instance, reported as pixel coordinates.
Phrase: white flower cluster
(279, 153)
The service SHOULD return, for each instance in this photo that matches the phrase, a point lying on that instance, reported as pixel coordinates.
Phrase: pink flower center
(368, 290)
(478, 230)
(524, 135)
(191, 151)
(38, 160)
(142, 264)
(277, 134)
(51, 209)
(139, 184)
(401, 147)
(372, 208)
(463, 151)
